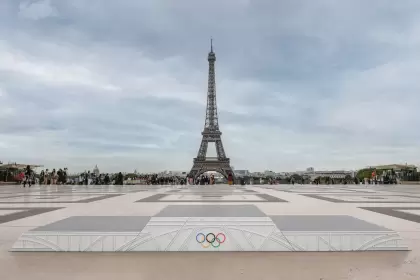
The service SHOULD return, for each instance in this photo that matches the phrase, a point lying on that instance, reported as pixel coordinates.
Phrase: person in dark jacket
(86, 178)
(106, 179)
(28, 176)
(65, 176)
(60, 176)
(120, 179)
(41, 177)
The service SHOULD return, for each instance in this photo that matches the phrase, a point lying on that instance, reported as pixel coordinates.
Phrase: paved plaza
(254, 232)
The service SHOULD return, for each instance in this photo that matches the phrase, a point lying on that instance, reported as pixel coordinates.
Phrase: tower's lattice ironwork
(211, 132)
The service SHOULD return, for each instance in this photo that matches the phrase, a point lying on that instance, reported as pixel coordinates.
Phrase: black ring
(207, 238)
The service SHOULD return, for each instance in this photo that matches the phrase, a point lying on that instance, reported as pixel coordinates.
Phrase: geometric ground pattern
(370, 198)
(16, 213)
(406, 213)
(209, 228)
(207, 218)
(204, 219)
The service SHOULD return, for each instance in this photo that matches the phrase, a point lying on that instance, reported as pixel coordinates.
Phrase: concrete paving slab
(211, 211)
(323, 223)
(97, 224)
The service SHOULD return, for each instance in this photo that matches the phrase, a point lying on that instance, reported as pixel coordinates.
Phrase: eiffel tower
(211, 132)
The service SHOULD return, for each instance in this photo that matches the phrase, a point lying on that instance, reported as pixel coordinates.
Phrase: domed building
(96, 170)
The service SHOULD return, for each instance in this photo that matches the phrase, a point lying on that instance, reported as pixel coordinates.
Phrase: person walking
(53, 177)
(106, 180)
(230, 179)
(65, 176)
(120, 179)
(86, 178)
(46, 177)
(28, 176)
(20, 177)
(41, 177)
(60, 176)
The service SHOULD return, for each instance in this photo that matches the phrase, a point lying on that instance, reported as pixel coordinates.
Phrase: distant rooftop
(394, 166)
(18, 165)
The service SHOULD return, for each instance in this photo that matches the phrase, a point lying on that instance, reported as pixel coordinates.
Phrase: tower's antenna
(211, 44)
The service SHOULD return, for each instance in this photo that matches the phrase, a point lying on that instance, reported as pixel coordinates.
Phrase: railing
(210, 159)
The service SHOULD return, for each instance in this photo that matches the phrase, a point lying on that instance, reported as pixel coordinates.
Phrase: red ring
(224, 237)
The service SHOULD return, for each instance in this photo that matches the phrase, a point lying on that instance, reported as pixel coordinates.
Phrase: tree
(364, 173)
(297, 178)
(348, 179)
(327, 180)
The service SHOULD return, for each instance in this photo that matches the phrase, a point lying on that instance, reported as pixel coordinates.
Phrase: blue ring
(204, 237)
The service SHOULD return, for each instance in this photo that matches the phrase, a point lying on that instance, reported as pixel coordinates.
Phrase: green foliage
(348, 179)
(365, 173)
(297, 178)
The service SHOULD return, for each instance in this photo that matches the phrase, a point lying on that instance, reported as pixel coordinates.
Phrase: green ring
(214, 246)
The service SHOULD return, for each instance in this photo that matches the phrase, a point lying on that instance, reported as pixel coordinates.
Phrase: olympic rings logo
(210, 239)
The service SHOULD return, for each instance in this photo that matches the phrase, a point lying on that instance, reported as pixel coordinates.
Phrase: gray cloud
(330, 84)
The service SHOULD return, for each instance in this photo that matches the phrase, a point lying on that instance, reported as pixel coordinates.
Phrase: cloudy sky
(122, 84)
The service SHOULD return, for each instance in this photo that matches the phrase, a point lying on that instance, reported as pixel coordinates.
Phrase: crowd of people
(53, 177)
(91, 178)
(60, 177)
(156, 179)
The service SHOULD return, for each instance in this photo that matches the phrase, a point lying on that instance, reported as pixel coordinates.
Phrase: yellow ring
(208, 244)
